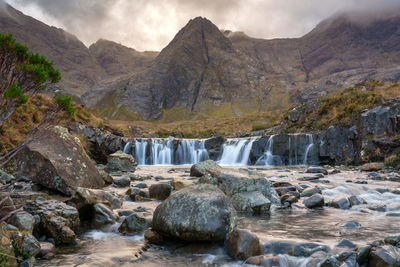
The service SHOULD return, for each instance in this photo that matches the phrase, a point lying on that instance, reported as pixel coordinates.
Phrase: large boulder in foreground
(195, 213)
(248, 191)
(57, 160)
(201, 168)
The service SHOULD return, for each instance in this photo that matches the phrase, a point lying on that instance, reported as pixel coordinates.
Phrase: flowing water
(109, 248)
(236, 152)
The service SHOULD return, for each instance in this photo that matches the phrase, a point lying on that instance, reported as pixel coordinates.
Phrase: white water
(269, 159)
(127, 148)
(309, 147)
(140, 151)
(236, 152)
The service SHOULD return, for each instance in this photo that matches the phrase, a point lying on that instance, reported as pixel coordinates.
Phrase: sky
(152, 24)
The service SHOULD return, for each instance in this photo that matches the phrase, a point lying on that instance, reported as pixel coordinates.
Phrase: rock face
(249, 192)
(121, 162)
(242, 244)
(58, 161)
(195, 213)
(57, 219)
(201, 168)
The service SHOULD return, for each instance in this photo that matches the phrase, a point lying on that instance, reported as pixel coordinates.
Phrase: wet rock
(84, 197)
(315, 201)
(351, 225)
(393, 240)
(345, 243)
(309, 178)
(133, 224)
(289, 198)
(28, 262)
(152, 237)
(121, 162)
(30, 245)
(311, 191)
(254, 202)
(232, 182)
(47, 250)
(122, 181)
(242, 244)
(340, 202)
(378, 207)
(107, 178)
(354, 201)
(317, 170)
(362, 254)
(195, 213)
(5, 178)
(102, 216)
(23, 221)
(214, 146)
(141, 185)
(384, 256)
(285, 189)
(160, 191)
(57, 160)
(201, 168)
(264, 260)
(279, 247)
(307, 249)
(330, 261)
(57, 219)
(372, 167)
(179, 183)
(374, 176)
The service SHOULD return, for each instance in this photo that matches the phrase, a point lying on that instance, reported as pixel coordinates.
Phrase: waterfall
(236, 152)
(127, 148)
(293, 147)
(309, 146)
(268, 158)
(170, 151)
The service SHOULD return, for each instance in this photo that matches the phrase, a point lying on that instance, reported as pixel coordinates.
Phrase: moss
(393, 160)
(259, 127)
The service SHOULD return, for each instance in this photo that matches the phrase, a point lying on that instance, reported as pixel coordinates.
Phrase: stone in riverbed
(123, 181)
(264, 260)
(317, 170)
(152, 237)
(195, 213)
(315, 201)
(179, 183)
(84, 197)
(351, 225)
(308, 192)
(47, 250)
(242, 244)
(121, 162)
(57, 160)
(201, 168)
(160, 191)
(133, 224)
(307, 249)
(372, 167)
(341, 202)
(23, 221)
(57, 219)
(384, 256)
(102, 216)
(254, 202)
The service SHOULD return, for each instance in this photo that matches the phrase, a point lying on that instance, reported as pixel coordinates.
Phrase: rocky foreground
(60, 208)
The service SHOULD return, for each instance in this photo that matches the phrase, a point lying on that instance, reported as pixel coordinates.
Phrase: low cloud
(151, 24)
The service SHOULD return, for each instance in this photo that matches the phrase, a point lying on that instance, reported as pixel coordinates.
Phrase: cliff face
(204, 71)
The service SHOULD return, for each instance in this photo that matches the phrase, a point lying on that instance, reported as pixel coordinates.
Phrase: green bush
(66, 103)
(258, 127)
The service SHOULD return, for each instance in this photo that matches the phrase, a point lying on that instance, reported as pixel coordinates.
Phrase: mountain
(206, 71)
(81, 67)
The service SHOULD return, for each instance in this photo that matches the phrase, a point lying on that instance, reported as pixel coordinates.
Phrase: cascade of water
(309, 147)
(236, 152)
(127, 148)
(268, 158)
(191, 152)
(162, 153)
(140, 151)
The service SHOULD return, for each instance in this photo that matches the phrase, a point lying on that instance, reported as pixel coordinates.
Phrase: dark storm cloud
(151, 24)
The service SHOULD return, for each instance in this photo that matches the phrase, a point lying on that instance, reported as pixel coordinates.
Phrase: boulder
(254, 202)
(133, 224)
(242, 244)
(121, 162)
(195, 213)
(315, 201)
(160, 191)
(384, 256)
(23, 221)
(372, 167)
(102, 216)
(57, 219)
(308, 192)
(57, 160)
(122, 181)
(232, 182)
(340, 202)
(201, 168)
(47, 250)
(317, 170)
(179, 183)
(86, 198)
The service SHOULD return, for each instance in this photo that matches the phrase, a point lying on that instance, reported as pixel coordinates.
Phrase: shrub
(393, 160)
(258, 127)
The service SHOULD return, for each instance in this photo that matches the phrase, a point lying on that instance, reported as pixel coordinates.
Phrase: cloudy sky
(151, 24)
